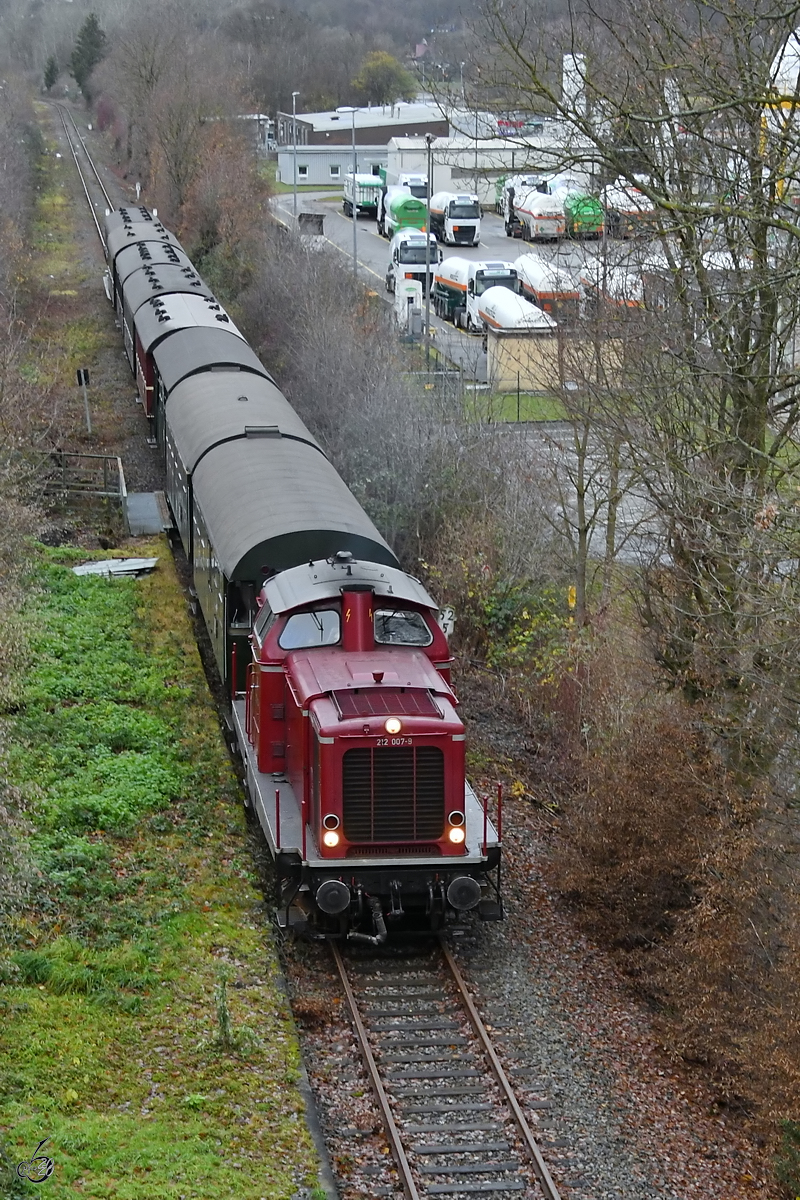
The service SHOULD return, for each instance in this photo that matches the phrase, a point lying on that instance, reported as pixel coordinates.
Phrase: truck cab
(456, 218)
(407, 258)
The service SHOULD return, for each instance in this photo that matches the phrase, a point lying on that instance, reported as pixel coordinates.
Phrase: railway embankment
(145, 1033)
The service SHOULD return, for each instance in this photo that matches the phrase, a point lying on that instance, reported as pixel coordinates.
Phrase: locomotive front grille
(393, 794)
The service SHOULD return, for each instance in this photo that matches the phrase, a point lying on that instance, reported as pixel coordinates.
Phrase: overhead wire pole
(429, 143)
(294, 153)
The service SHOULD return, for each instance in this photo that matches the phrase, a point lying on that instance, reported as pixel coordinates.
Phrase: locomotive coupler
(378, 924)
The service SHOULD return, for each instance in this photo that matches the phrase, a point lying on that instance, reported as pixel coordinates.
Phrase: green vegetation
(787, 1165)
(144, 1030)
(510, 406)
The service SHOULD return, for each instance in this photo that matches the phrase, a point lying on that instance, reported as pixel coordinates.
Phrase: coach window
(401, 627)
(305, 630)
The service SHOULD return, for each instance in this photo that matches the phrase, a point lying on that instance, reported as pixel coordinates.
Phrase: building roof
(377, 116)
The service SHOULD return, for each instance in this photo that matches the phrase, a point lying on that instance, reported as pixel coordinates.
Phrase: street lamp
(429, 144)
(463, 100)
(348, 108)
(294, 152)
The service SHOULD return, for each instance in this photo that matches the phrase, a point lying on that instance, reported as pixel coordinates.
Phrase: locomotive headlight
(330, 821)
(456, 817)
(456, 835)
(393, 725)
(330, 838)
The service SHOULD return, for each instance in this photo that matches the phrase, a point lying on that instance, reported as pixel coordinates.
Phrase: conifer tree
(51, 72)
(89, 49)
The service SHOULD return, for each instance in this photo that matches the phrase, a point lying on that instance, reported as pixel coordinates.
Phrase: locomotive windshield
(400, 627)
(305, 630)
(464, 211)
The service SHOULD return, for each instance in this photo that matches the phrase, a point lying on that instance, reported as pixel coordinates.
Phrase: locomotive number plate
(395, 741)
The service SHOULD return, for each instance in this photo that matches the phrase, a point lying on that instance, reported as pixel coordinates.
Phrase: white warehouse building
(463, 164)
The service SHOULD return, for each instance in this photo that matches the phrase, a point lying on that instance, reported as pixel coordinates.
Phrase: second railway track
(454, 1125)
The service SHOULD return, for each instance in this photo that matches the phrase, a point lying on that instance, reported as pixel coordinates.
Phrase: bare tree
(689, 107)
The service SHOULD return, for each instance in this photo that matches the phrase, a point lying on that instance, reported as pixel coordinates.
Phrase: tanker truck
(416, 184)
(504, 312)
(398, 209)
(456, 218)
(459, 284)
(407, 258)
(534, 215)
(519, 184)
(583, 213)
(628, 211)
(550, 288)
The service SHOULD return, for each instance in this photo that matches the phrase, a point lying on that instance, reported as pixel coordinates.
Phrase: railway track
(454, 1126)
(94, 189)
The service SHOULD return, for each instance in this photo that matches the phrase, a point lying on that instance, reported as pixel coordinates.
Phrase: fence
(91, 475)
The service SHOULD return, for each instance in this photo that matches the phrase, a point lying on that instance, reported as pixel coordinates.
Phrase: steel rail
(90, 161)
(81, 174)
(398, 1153)
(539, 1165)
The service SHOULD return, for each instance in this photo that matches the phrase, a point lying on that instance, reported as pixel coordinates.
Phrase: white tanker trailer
(459, 283)
(504, 312)
(549, 287)
(534, 215)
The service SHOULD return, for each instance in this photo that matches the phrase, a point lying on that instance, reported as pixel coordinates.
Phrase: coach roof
(220, 406)
(192, 351)
(270, 503)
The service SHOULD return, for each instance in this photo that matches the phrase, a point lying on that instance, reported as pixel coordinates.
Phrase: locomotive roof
(196, 350)
(140, 254)
(270, 503)
(218, 406)
(324, 579)
(162, 280)
(166, 314)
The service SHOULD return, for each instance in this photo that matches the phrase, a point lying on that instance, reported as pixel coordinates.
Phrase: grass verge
(143, 1028)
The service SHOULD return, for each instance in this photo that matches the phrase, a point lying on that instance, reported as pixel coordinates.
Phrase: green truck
(398, 209)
